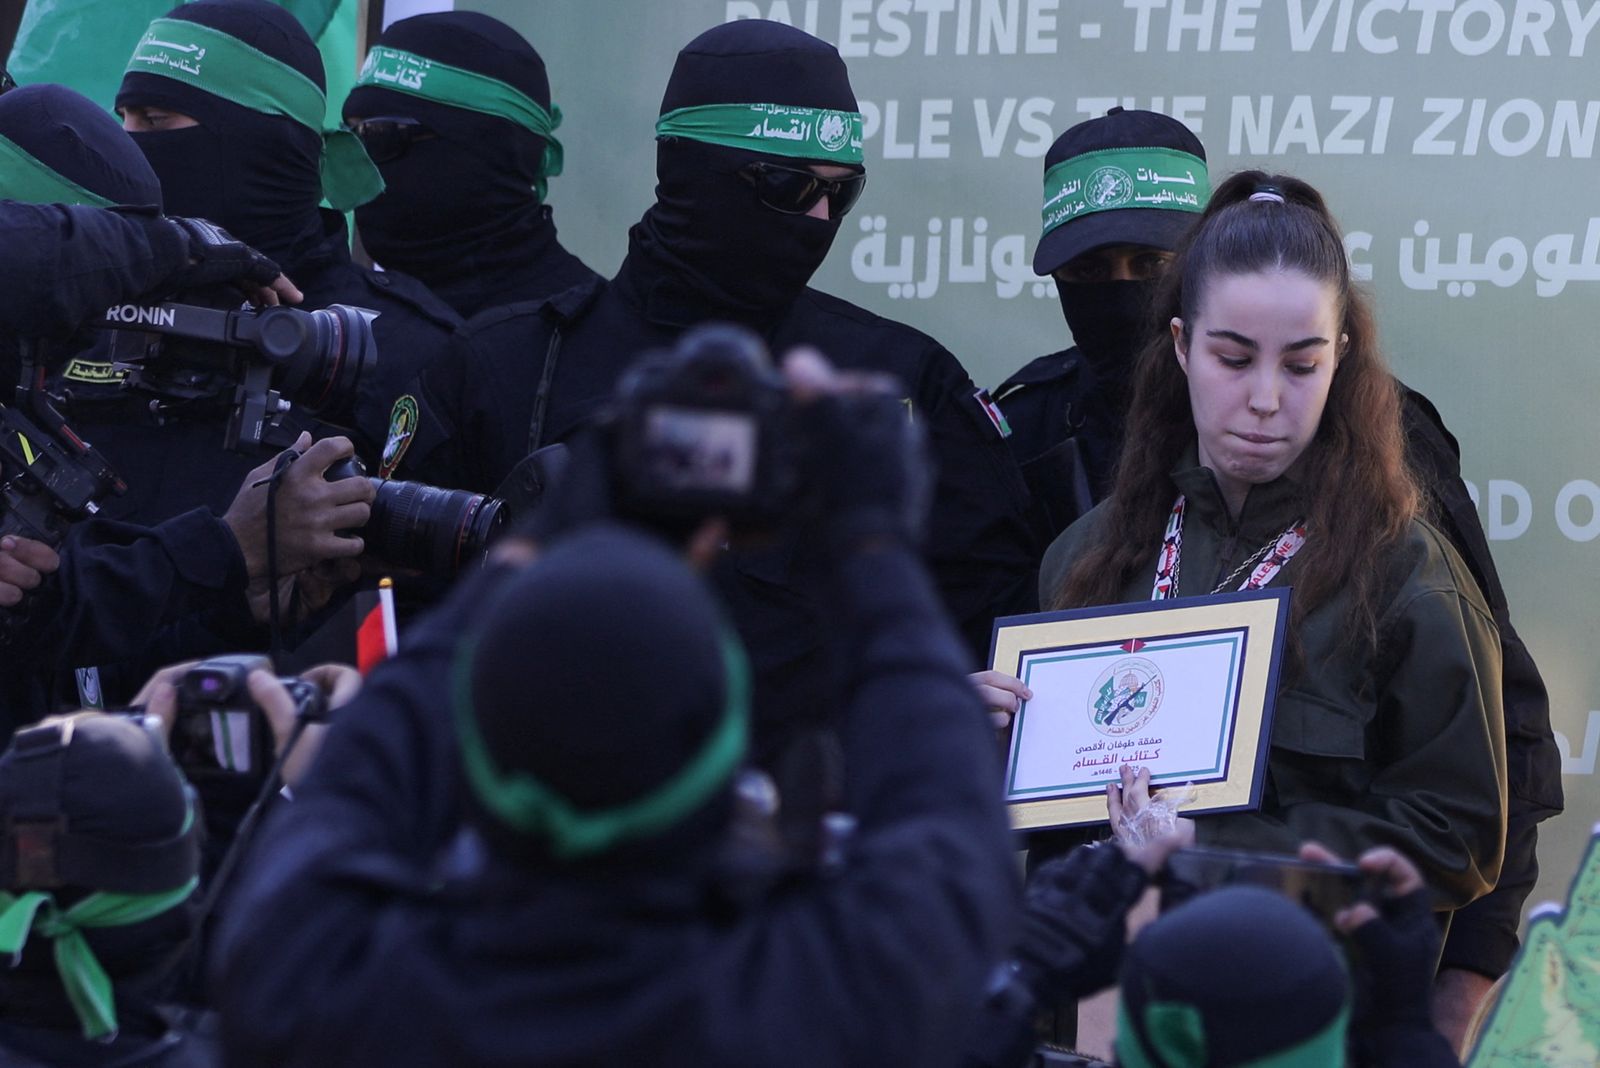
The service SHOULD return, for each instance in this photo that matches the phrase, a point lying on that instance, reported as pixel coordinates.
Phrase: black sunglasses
(7, 82)
(796, 190)
(390, 137)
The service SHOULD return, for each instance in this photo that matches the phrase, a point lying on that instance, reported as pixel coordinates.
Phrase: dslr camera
(220, 728)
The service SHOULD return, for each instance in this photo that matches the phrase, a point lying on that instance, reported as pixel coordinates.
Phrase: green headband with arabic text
(224, 66)
(1114, 178)
(406, 72)
(776, 129)
(28, 181)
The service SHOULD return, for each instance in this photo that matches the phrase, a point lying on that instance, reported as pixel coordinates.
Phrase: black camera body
(219, 726)
(706, 429)
(257, 365)
(423, 527)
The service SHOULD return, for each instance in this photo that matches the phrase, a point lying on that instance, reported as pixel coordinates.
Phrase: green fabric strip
(225, 66)
(406, 72)
(24, 179)
(1177, 1033)
(88, 987)
(1161, 178)
(776, 129)
(524, 804)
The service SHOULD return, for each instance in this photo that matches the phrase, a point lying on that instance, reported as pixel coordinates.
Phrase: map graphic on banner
(1456, 141)
(1548, 1012)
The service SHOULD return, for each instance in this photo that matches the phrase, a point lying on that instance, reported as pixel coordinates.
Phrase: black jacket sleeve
(1483, 936)
(65, 263)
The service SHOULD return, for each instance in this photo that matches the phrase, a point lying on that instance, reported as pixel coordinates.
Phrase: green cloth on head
(1174, 1037)
(23, 178)
(85, 981)
(1116, 178)
(776, 129)
(526, 805)
(406, 72)
(224, 66)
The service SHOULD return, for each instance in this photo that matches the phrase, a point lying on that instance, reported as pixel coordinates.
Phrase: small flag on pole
(377, 637)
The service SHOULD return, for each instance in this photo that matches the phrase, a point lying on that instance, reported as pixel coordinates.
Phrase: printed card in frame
(1184, 687)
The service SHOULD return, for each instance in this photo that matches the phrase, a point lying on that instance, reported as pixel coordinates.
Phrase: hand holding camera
(218, 258)
(313, 515)
(24, 563)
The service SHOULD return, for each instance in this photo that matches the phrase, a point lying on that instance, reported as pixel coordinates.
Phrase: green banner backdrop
(1455, 139)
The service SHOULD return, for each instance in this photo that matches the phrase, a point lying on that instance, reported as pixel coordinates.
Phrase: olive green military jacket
(1402, 744)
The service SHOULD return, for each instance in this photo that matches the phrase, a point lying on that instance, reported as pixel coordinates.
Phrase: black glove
(217, 257)
(1400, 951)
(1075, 920)
(871, 469)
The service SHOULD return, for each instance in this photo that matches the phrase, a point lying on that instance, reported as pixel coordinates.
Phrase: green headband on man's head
(224, 66)
(25, 179)
(1116, 178)
(1174, 1035)
(528, 806)
(776, 129)
(406, 72)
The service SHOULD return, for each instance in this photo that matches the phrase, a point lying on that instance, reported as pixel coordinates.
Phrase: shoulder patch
(992, 410)
(93, 371)
(402, 431)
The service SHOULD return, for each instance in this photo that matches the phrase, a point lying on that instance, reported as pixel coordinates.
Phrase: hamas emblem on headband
(1126, 696)
(1109, 187)
(402, 429)
(833, 131)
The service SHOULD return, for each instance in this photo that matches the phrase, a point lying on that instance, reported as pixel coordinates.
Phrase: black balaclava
(599, 671)
(1108, 321)
(465, 199)
(117, 786)
(1228, 978)
(257, 176)
(713, 250)
(73, 136)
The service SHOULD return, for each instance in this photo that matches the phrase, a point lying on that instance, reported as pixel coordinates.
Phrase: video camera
(255, 364)
(706, 429)
(49, 477)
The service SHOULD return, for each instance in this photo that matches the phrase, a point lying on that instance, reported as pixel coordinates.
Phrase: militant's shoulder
(521, 320)
(411, 295)
(853, 337)
(1058, 369)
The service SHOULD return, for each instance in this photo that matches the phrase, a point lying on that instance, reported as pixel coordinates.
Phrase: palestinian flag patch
(992, 410)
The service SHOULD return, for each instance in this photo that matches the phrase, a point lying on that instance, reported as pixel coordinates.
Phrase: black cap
(1156, 227)
(79, 140)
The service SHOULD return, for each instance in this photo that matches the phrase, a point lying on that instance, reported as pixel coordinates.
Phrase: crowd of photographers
(679, 759)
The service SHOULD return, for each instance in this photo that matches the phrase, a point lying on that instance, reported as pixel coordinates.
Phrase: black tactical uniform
(463, 205)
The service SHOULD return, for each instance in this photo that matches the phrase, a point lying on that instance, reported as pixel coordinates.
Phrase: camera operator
(98, 879)
(65, 152)
(239, 140)
(600, 711)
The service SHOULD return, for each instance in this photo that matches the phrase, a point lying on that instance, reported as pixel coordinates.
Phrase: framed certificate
(1183, 687)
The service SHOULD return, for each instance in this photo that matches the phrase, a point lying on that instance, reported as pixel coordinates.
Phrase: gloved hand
(1400, 948)
(216, 257)
(869, 457)
(1075, 920)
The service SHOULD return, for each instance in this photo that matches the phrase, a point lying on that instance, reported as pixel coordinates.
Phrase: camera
(422, 527)
(255, 364)
(219, 726)
(1323, 888)
(704, 429)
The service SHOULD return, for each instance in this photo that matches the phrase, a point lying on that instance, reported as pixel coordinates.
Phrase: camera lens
(321, 355)
(431, 529)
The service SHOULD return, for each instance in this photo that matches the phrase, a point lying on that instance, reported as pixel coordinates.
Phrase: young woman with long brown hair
(1264, 448)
